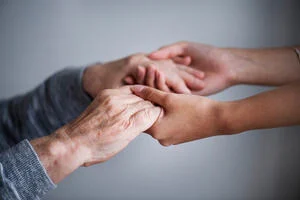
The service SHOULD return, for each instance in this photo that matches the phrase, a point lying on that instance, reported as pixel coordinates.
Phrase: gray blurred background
(38, 38)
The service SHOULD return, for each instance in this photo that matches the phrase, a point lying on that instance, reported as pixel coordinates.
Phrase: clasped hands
(117, 116)
(164, 97)
(157, 100)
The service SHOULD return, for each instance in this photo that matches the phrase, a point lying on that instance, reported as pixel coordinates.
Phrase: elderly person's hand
(106, 127)
(168, 76)
(138, 68)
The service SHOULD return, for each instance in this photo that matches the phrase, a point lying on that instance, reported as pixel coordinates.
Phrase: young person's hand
(224, 67)
(185, 117)
(216, 63)
(191, 117)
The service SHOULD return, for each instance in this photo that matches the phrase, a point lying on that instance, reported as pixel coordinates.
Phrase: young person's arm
(224, 67)
(191, 117)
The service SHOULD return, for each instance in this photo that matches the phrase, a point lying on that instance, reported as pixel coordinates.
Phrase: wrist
(235, 61)
(227, 121)
(59, 155)
(91, 75)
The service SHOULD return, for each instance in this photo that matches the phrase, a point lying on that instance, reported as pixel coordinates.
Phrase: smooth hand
(217, 64)
(185, 117)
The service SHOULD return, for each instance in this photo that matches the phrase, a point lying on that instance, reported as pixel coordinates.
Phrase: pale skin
(115, 117)
(131, 69)
(201, 117)
(106, 127)
(225, 67)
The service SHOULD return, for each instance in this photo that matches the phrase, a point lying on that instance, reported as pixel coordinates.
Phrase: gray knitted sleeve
(38, 113)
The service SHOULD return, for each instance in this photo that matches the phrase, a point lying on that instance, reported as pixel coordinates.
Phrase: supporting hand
(138, 68)
(217, 64)
(224, 67)
(185, 117)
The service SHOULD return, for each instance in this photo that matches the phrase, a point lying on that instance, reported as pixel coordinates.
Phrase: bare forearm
(59, 155)
(276, 108)
(273, 66)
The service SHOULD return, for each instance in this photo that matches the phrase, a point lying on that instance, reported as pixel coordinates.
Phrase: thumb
(185, 60)
(170, 51)
(128, 80)
(150, 94)
(144, 119)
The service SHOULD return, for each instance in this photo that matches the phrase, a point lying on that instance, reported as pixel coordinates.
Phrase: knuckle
(129, 60)
(182, 42)
(148, 93)
(167, 99)
(86, 165)
(111, 100)
(126, 124)
(151, 66)
(143, 104)
(105, 92)
(109, 103)
(142, 119)
(147, 114)
(156, 135)
(196, 81)
(132, 59)
(138, 54)
(165, 143)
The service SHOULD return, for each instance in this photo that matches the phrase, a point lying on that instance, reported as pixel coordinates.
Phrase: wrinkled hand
(110, 75)
(114, 119)
(185, 117)
(215, 62)
(106, 127)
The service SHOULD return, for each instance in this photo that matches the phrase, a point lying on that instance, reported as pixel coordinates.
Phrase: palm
(216, 63)
(217, 71)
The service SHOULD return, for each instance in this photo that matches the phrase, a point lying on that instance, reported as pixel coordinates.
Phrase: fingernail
(200, 74)
(153, 54)
(138, 88)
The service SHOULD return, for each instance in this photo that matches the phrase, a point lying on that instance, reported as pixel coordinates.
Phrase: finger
(185, 60)
(150, 94)
(179, 87)
(150, 76)
(170, 51)
(137, 106)
(116, 100)
(128, 99)
(161, 81)
(195, 72)
(140, 74)
(129, 80)
(165, 142)
(191, 81)
(144, 119)
(119, 91)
